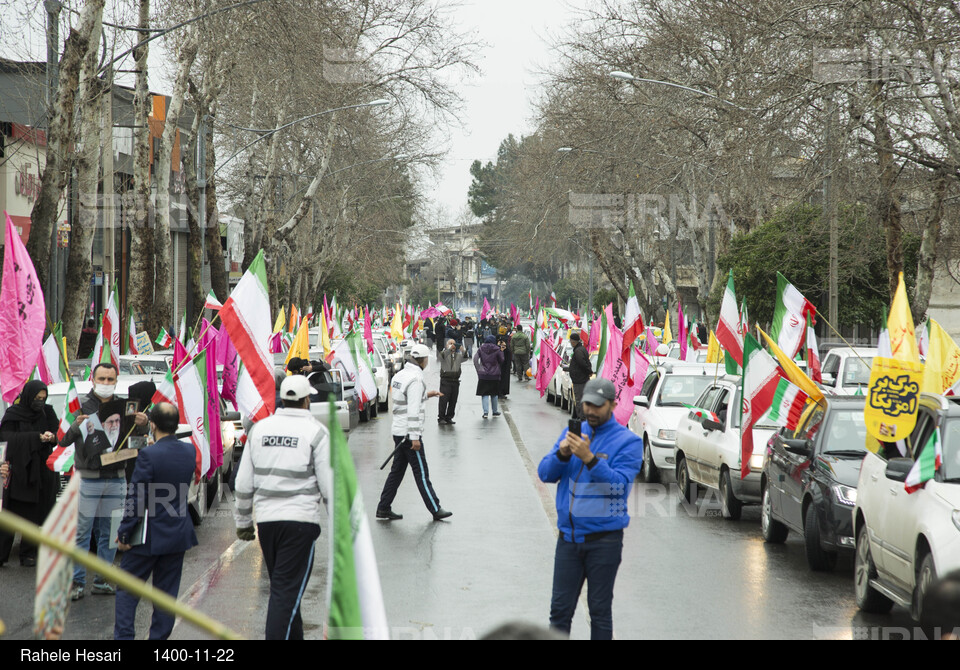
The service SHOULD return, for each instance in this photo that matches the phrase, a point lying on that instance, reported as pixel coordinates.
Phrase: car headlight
(956, 518)
(756, 461)
(846, 495)
(664, 434)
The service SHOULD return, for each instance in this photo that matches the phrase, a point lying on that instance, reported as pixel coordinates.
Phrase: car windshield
(151, 366)
(857, 372)
(846, 433)
(950, 468)
(680, 390)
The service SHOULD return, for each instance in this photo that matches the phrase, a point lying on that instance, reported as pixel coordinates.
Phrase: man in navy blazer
(159, 489)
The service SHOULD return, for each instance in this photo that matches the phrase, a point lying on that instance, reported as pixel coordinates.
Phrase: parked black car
(809, 481)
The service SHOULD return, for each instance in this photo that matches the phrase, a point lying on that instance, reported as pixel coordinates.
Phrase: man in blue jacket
(158, 490)
(594, 473)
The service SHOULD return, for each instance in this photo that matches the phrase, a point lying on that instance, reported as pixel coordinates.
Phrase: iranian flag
(926, 465)
(53, 366)
(604, 338)
(107, 348)
(190, 382)
(212, 302)
(132, 336)
(788, 404)
(355, 608)
(164, 339)
(761, 379)
(246, 316)
(71, 410)
(633, 327)
(166, 392)
(728, 328)
(813, 352)
(789, 323)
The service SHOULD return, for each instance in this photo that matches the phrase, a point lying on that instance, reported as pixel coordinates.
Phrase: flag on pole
(813, 352)
(761, 378)
(107, 347)
(789, 323)
(132, 336)
(926, 465)
(632, 327)
(212, 302)
(71, 410)
(682, 334)
(22, 315)
(355, 608)
(300, 348)
(191, 384)
(547, 364)
(728, 328)
(903, 338)
(792, 371)
(166, 392)
(164, 339)
(942, 369)
(280, 322)
(246, 316)
(485, 309)
(787, 406)
(53, 365)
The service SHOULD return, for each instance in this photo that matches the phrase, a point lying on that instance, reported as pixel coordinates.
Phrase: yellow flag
(279, 323)
(325, 336)
(714, 354)
(667, 335)
(797, 376)
(396, 326)
(300, 348)
(903, 338)
(893, 399)
(942, 370)
(294, 318)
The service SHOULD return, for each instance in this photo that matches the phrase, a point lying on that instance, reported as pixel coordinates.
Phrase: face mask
(104, 390)
(37, 404)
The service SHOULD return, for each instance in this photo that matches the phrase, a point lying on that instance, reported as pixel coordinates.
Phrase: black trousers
(578, 400)
(450, 388)
(166, 570)
(288, 552)
(417, 460)
(33, 512)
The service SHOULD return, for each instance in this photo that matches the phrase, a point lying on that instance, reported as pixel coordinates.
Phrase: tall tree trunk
(77, 291)
(43, 218)
(142, 263)
(195, 294)
(930, 240)
(218, 272)
(888, 196)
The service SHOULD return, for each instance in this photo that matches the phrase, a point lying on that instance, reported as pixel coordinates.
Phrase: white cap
(419, 351)
(295, 387)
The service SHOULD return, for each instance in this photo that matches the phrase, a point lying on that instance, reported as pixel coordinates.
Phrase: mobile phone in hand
(573, 427)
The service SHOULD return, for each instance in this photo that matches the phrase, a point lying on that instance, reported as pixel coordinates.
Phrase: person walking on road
(469, 333)
(506, 367)
(284, 475)
(409, 410)
(156, 498)
(521, 346)
(488, 360)
(451, 358)
(593, 472)
(580, 372)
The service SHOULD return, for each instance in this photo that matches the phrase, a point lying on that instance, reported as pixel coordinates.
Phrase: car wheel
(365, 414)
(374, 409)
(649, 471)
(864, 570)
(773, 531)
(213, 488)
(687, 489)
(818, 559)
(730, 507)
(926, 576)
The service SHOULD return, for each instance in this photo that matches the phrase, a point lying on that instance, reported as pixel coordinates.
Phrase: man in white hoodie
(284, 475)
(409, 410)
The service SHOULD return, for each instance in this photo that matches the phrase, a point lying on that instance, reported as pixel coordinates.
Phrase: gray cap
(598, 391)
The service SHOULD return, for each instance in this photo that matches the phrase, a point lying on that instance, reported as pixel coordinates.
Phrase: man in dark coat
(580, 372)
(88, 339)
(156, 499)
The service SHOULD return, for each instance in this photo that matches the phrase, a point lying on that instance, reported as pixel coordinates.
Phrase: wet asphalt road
(686, 573)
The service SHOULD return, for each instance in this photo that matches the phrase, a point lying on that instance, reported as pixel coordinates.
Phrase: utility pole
(829, 206)
(54, 270)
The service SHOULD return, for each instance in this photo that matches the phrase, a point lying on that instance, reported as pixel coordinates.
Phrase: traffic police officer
(409, 411)
(285, 474)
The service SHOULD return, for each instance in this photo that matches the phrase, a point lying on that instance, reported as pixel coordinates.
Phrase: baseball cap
(295, 387)
(598, 391)
(419, 351)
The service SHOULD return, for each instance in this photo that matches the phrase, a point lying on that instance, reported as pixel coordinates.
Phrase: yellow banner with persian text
(893, 398)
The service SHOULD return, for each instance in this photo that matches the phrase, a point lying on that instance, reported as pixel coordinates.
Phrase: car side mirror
(710, 424)
(798, 447)
(898, 469)
(348, 386)
(829, 379)
(641, 401)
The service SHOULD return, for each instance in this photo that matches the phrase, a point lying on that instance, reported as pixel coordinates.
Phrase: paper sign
(54, 570)
(144, 344)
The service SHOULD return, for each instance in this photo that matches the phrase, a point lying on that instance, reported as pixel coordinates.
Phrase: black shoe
(441, 514)
(450, 422)
(29, 562)
(389, 515)
(496, 413)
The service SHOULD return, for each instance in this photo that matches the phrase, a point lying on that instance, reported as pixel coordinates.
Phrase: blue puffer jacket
(598, 494)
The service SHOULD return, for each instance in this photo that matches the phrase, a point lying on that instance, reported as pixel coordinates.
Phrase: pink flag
(208, 342)
(367, 330)
(650, 344)
(227, 356)
(514, 314)
(594, 343)
(22, 317)
(615, 370)
(546, 367)
(486, 309)
(681, 332)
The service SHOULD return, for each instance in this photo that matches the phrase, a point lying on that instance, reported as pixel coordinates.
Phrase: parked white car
(846, 370)
(382, 374)
(707, 450)
(663, 401)
(905, 541)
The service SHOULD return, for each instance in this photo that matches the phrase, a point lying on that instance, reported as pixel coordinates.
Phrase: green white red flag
(53, 367)
(813, 352)
(355, 608)
(926, 465)
(71, 409)
(632, 328)
(107, 348)
(190, 382)
(761, 377)
(789, 325)
(246, 316)
(787, 406)
(164, 339)
(728, 328)
(166, 392)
